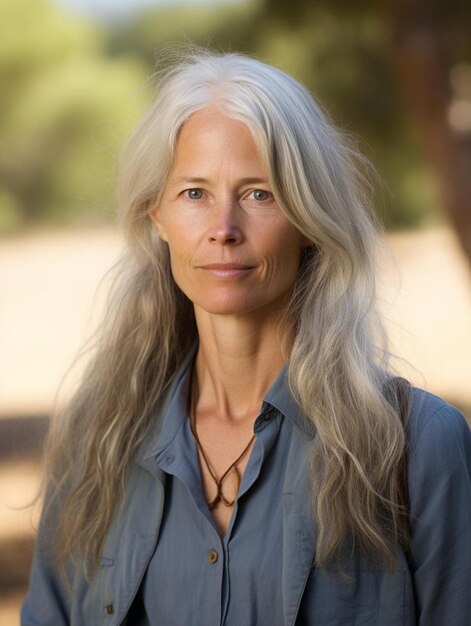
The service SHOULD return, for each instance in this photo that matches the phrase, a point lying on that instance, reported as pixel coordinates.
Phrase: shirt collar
(280, 397)
(175, 413)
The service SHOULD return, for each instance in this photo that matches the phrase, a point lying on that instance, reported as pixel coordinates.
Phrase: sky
(120, 9)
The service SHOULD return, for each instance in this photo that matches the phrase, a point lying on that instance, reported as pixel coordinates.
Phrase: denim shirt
(430, 587)
(235, 579)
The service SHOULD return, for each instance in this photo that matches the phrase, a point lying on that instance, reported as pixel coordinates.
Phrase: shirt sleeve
(47, 602)
(440, 513)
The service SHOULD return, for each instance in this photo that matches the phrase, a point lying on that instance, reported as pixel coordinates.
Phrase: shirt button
(109, 609)
(170, 459)
(212, 556)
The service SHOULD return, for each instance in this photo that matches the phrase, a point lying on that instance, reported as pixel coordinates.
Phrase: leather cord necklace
(218, 482)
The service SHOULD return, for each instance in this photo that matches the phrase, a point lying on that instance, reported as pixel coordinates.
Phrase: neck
(237, 362)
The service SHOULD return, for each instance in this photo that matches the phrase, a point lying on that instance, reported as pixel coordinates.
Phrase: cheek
(180, 240)
(178, 257)
(282, 261)
(291, 258)
(180, 273)
(181, 255)
(289, 247)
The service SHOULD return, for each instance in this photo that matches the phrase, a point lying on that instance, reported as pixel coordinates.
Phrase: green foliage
(226, 27)
(345, 63)
(343, 51)
(72, 91)
(340, 50)
(64, 112)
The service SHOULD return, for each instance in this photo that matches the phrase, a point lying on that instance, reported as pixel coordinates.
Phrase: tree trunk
(423, 71)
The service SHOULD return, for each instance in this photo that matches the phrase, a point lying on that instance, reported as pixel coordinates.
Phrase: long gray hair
(338, 364)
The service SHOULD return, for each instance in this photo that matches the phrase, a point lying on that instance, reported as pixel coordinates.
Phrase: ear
(154, 215)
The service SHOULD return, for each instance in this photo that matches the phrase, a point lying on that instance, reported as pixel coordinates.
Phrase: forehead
(212, 118)
(210, 133)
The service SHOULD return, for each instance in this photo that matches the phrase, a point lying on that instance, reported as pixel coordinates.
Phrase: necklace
(218, 481)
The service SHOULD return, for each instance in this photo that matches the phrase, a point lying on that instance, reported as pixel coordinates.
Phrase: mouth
(226, 270)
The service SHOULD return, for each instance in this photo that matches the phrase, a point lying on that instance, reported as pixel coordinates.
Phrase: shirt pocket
(357, 597)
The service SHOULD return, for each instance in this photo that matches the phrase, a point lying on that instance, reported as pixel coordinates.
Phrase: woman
(238, 451)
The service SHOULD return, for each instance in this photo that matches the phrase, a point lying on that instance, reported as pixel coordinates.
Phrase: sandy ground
(9, 608)
(49, 305)
(426, 292)
(48, 286)
(48, 308)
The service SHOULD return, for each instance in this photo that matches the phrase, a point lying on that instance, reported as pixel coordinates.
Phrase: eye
(261, 195)
(194, 194)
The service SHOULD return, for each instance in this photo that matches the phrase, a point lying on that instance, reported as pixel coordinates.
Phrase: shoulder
(431, 416)
(439, 481)
(438, 434)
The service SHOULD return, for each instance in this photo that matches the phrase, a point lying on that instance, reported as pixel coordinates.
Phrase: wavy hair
(338, 367)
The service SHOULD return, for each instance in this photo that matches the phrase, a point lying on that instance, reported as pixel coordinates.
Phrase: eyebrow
(203, 181)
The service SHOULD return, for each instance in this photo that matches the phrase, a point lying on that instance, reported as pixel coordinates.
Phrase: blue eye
(194, 194)
(261, 194)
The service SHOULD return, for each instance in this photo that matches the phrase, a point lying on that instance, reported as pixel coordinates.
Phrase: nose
(226, 227)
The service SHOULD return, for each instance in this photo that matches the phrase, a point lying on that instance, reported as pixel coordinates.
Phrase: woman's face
(232, 249)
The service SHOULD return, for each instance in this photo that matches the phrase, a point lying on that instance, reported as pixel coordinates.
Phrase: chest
(223, 460)
(272, 550)
(219, 577)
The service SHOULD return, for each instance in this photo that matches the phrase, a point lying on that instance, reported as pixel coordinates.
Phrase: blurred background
(76, 75)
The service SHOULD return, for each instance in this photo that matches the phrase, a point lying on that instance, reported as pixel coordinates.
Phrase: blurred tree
(64, 111)
(70, 92)
(226, 27)
(345, 62)
(432, 53)
(424, 47)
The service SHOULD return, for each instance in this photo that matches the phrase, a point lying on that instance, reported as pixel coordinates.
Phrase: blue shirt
(234, 580)
(430, 587)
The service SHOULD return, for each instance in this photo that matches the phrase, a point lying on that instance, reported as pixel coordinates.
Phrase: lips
(226, 270)
(226, 266)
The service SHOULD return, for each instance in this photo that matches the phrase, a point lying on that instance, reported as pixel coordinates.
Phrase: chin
(226, 307)
(229, 304)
